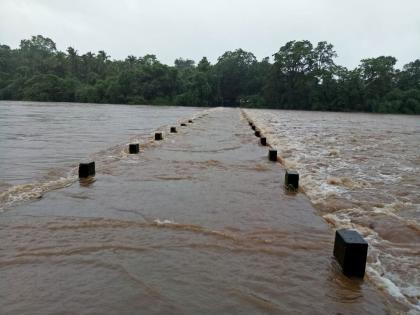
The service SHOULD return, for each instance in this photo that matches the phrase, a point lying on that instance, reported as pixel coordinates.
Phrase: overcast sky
(193, 28)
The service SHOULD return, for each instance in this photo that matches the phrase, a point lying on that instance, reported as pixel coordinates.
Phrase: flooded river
(199, 223)
(42, 143)
(360, 171)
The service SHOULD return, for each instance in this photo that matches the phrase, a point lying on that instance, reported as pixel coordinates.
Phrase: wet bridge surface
(198, 223)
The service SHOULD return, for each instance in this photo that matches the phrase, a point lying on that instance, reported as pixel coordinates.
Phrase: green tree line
(301, 76)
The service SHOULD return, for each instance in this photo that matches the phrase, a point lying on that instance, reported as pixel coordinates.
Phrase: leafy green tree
(38, 43)
(409, 77)
(378, 75)
(204, 65)
(292, 80)
(184, 64)
(302, 76)
(233, 70)
(350, 90)
(46, 87)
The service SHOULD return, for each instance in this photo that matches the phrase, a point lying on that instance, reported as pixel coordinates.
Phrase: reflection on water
(360, 171)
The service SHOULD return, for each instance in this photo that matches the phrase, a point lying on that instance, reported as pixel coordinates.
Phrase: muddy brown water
(360, 171)
(196, 224)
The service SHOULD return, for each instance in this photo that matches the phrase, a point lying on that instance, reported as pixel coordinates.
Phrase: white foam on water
(412, 292)
(386, 284)
(366, 163)
(163, 222)
(392, 208)
(26, 192)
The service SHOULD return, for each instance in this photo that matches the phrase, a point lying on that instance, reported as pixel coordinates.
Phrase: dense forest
(301, 76)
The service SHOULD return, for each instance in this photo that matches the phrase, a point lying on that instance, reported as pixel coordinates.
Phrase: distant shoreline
(303, 76)
(243, 107)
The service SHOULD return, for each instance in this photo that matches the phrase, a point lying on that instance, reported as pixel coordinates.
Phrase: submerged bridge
(198, 223)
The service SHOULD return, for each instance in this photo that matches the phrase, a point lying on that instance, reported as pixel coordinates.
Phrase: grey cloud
(192, 29)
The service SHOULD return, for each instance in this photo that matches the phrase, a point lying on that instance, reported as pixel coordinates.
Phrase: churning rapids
(199, 223)
(360, 171)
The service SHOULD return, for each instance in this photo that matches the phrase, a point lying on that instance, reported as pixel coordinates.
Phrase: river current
(360, 171)
(200, 223)
(41, 144)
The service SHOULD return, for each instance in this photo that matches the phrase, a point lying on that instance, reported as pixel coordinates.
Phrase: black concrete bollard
(133, 148)
(272, 155)
(350, 250)
(173, 129)
(250, 123)
(257, 133)
(183, 124)
(190, 121)
(253, 127)
(291, 180)
(263, 141)
(86, 169)
(158, 136)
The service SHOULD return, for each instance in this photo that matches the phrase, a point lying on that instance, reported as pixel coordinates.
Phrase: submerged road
(198, 223)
